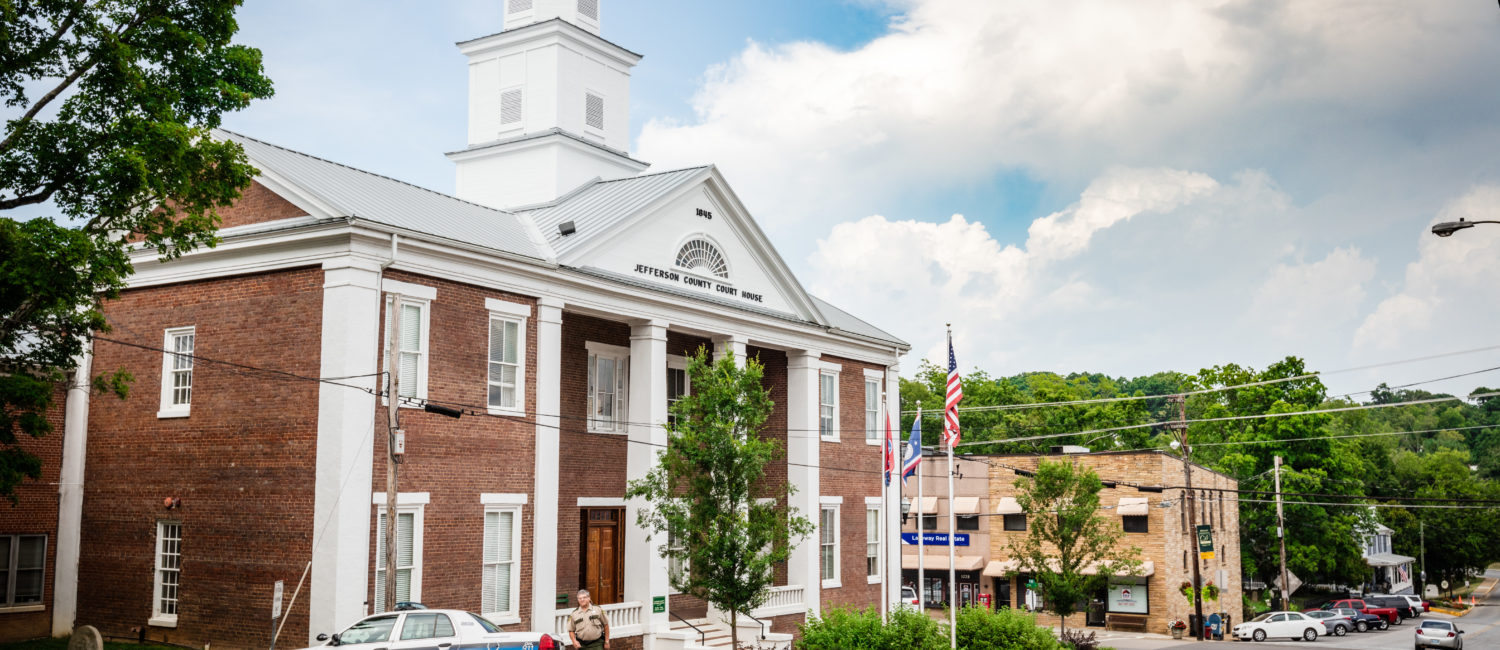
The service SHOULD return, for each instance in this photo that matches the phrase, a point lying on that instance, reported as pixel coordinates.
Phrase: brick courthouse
(554, 298)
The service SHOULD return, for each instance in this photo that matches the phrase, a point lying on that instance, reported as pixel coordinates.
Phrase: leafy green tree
(1066, 534)
(113, 103)
(710, 492)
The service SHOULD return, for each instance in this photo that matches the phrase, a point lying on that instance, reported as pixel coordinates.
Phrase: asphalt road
(1481, 627)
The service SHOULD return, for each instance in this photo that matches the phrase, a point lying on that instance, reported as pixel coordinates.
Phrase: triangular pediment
(693, 236)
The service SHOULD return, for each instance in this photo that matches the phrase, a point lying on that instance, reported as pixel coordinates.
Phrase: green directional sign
(1205, 542)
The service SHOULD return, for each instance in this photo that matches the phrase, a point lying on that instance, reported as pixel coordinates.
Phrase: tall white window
(411, 348)
(168, 569)
(872, 543)
(678, 386)
(677, 566)
(177, 373)
(828, 405)
(408, 554)
(23, 561)
(872, 411)
(507, 363)
(609, 382)
(828, 530)
(502, 573)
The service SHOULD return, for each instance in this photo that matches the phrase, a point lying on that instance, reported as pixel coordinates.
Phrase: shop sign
(1128, 598)
(935, 539)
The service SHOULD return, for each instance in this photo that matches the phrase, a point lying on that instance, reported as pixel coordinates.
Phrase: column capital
(802, 359)
(648, 328)
(549, 309)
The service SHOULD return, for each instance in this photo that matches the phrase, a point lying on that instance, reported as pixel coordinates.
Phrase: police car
(434, 629)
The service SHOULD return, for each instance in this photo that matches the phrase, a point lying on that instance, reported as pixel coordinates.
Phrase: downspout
(70, 495)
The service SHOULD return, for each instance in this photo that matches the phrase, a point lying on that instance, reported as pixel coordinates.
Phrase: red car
(1389, 614)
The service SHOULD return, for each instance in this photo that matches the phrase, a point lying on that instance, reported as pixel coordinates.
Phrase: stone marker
(86, 637)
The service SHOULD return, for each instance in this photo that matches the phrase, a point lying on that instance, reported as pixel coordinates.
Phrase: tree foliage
(710, 493)
(110, 104)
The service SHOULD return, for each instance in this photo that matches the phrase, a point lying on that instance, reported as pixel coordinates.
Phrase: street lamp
(1447, 228)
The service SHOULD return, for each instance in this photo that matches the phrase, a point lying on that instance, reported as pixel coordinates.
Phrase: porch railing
(624, 619)
(782, 600)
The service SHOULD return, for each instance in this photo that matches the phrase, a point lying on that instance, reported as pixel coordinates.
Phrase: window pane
(404, 540)
(512, 341)
(502, 587)
(411, 328)
(371, 630)
(419, 626)
(491, 533)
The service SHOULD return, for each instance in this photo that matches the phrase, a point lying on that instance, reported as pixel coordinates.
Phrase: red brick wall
(774, 378)
(258, 205)
(442, 453)
(34, 512)
(243, 463)
(851, 469)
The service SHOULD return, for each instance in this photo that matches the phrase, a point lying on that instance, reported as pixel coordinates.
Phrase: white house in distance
(1390, 573)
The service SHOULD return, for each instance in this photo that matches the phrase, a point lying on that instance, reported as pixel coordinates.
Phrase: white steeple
(549, 106)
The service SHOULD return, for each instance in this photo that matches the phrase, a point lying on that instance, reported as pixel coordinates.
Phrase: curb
(1451, 612)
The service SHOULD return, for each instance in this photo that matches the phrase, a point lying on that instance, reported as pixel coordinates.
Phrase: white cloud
(1326, 294)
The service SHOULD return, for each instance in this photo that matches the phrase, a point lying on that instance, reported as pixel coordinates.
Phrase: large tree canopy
(109, 106)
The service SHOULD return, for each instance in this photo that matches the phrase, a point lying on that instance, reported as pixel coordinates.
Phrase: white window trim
(499, 311)
(514, 616)
(878, 381)
(621, 355)
(159, 619)
(168, 409)
(833, 435)
(393, 303)
(879, 543)
(601, 502)
(503, 499)
(679, 362)
(415, 503)
(838, 570)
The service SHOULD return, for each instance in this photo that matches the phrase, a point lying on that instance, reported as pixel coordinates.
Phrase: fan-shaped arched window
(699, 255)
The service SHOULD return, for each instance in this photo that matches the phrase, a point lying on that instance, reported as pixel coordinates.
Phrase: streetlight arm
(1447, 228)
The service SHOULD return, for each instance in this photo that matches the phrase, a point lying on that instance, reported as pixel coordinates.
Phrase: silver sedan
(1439, 634)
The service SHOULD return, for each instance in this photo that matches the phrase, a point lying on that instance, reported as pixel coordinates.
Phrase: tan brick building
(1155, 520)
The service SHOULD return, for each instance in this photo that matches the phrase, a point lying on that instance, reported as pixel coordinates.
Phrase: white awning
(1388, 559)
(1008, 506)
(966, 505)
(927, 506)
(1133, 506)
(940, 562)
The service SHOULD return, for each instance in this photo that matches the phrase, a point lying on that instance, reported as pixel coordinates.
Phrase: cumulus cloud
(1325, 294)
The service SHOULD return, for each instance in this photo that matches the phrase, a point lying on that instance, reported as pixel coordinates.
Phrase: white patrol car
(434, 629)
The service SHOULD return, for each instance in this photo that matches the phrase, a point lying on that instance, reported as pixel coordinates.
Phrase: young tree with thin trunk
(1066, 535)
(728, 524)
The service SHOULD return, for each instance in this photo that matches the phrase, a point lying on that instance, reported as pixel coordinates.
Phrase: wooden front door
(603, 554)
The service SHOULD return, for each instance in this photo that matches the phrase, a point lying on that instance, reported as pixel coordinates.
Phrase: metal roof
(364, 195)
(596, 206)
(843, 320)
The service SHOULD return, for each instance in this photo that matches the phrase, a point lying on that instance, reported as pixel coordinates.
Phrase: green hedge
(978, 629)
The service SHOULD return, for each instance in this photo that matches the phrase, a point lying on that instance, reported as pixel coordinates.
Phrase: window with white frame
(872, 411)
(828, 405)
(411, 348)
(872, 543)
(677, 565)
(177, 372)
(168, 570)
(609, 385)
(502, 572)
(23, 561)
(678, 386)
(507, 363)
(828, 528)
(408, 554)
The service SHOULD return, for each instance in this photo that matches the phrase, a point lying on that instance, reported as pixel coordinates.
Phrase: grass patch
(61, 643)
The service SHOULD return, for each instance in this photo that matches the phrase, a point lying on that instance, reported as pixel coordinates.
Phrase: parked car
(429, 628)
(1388, 615)
(1439, 634)
(1362, 622)
(1337, 624)
(1403, 607)
(1418, 606)
(909, 596)
(1290, 625)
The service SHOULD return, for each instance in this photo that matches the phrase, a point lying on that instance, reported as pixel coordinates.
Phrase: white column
(645, 569)
(544, 514)
(802, 470)
(730, 344)
(346, 417)
(70, 495)
(892, 532)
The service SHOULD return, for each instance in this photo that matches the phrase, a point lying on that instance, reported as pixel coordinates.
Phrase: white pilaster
(892, 532)
(645, 569)
(70, 495)
(346, 418)
(732, 344)
(802, 470)
(548, 407)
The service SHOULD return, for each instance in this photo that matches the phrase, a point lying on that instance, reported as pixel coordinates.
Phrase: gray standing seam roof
(385, 200)
(597, 206)
(843, 320)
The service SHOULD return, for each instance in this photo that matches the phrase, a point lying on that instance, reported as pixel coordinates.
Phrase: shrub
(1003, 629)
(1080, 640)
(843, 629)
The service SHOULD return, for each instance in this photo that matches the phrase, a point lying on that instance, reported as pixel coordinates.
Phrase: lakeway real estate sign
(936, 539)
(1128, 599)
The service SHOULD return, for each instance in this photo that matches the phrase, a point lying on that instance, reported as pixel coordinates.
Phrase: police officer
(587, 625)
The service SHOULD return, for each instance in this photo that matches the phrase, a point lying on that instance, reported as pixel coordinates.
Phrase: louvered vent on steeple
(517, 6)
(593, 111)
(511, 107)
(589, 9)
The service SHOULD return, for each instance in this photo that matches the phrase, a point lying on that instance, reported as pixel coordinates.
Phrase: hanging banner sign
(1205, 542)
(936, 539)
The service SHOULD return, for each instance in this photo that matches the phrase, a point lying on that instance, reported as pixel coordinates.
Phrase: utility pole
(1281, 535)
(1422, 532)
(393, 429)
(1192, 516)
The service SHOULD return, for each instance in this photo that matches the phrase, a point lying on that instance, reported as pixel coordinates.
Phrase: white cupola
(549, 106)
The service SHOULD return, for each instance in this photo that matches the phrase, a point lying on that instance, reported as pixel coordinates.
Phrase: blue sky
(1113, 187)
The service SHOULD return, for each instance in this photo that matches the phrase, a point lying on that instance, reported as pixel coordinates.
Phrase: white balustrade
(624, 619)
(781, 601)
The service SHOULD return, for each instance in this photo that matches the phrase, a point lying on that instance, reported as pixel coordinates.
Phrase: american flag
(955, 395)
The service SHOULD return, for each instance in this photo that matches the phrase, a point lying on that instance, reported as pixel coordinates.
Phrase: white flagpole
(921, 531)
(887, 463)
(952, 518)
